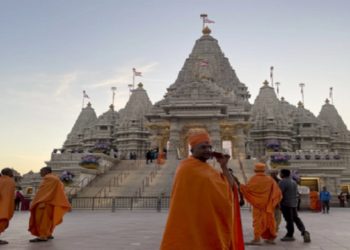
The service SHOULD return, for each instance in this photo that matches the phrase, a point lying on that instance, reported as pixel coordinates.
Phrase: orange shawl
(314, 203)
(7, 197)
(204, 212)
(160, 159)
(263, 193)
(51, 191)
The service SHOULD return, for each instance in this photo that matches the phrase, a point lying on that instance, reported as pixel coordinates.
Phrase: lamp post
(113, 90)
(302, 85)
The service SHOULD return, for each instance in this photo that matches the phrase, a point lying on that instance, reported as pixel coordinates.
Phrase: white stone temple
(212, 99)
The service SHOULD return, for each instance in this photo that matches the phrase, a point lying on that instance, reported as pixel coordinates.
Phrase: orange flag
(204, 212)
(7, 201)
(48, 207)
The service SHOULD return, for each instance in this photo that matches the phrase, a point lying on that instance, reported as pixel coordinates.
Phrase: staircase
(159, 185)
(100, 183)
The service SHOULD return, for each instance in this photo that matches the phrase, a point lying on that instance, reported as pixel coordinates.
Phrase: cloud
(65, 81)
(124, 75)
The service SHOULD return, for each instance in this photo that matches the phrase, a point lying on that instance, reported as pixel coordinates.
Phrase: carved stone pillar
(174, 140)
(153, 137)
(215, 135)
(240, 143)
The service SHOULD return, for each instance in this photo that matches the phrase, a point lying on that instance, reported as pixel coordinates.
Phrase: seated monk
(314, 201)
(204, 208)
(48, 207)
(161, 157)
(7, 197)
(263, 193)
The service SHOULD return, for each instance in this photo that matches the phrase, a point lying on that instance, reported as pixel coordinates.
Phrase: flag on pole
(131, 90)
(271, 74)
(202, 64)
(278, 91)
(330, 92)
(86, 96)
(206, 20)
(138, 73)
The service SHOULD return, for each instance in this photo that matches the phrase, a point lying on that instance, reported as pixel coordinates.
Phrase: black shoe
(287, 238)
(306, 237)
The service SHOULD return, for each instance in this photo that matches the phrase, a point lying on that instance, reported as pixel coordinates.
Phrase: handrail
(90, 179)
(146, 181)
(123, 174)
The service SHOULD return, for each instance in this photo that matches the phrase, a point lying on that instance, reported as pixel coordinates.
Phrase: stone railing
(307, 155)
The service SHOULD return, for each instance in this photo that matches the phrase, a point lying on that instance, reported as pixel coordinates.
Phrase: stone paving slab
(143, 229)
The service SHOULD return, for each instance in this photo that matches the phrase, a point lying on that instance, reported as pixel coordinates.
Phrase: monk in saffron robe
(48, 207)
(204, 209)
(314, 201)
(7, 198)
(263, 193)
(161, 157)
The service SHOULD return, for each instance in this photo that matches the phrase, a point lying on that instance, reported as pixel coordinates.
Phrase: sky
(51, 51)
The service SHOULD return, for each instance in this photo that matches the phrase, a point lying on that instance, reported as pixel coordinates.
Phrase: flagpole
(302, 85)
(203, 16)
(130, 86)
(271, 76)
(113, 89)
(133, 78)
(331, 89)
(278, 91)
(83, 97)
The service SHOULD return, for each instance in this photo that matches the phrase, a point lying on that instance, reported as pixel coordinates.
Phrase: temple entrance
(311, 183)
(227, 148)
(188, 130)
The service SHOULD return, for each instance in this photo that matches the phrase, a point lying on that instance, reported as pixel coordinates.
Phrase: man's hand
(241, 202)
(222, 159)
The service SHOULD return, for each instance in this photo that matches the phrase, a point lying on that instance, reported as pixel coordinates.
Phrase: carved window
(103, 128)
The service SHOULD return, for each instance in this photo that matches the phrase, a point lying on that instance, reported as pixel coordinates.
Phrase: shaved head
(7, 171)
(44, 171)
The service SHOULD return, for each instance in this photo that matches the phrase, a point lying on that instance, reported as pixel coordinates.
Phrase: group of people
(153, 154)
(46, 211)
(205, 204)
(133, 156)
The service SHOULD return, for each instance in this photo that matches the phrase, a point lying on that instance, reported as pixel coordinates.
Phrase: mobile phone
(217, 155)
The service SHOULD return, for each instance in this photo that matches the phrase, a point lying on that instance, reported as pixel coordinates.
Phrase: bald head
(7, 171)
(44, 171)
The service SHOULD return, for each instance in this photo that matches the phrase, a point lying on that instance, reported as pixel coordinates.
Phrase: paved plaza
(143, 229)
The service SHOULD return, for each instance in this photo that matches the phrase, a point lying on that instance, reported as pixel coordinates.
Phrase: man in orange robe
(161, 157)
(48, 207)
(263, 193)
(314, 201)
(204, 209)
(7, 200)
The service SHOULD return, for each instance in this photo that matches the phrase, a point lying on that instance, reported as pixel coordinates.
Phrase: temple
(208, 96)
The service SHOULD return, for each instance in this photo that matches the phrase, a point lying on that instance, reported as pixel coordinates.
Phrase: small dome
(266, 83)
(206, 31)
(140, 85)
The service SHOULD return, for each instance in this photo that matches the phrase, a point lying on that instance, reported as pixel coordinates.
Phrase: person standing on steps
(289, 189)
(148, 156)
(325, 198)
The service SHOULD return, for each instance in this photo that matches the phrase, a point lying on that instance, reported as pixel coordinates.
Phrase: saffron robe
(314, 200)
(204, 212)
(263, 193)
(48, 207)
(7, 201)
(160, 159)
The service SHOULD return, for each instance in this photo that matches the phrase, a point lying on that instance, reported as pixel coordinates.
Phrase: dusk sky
(50, 51)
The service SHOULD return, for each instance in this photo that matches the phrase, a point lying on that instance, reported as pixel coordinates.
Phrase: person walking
(341, 199)
(278, 213)
(314, 201)
(18, 198)
(152, 154)
(289, 189)
(263, 193)
(325, 198)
